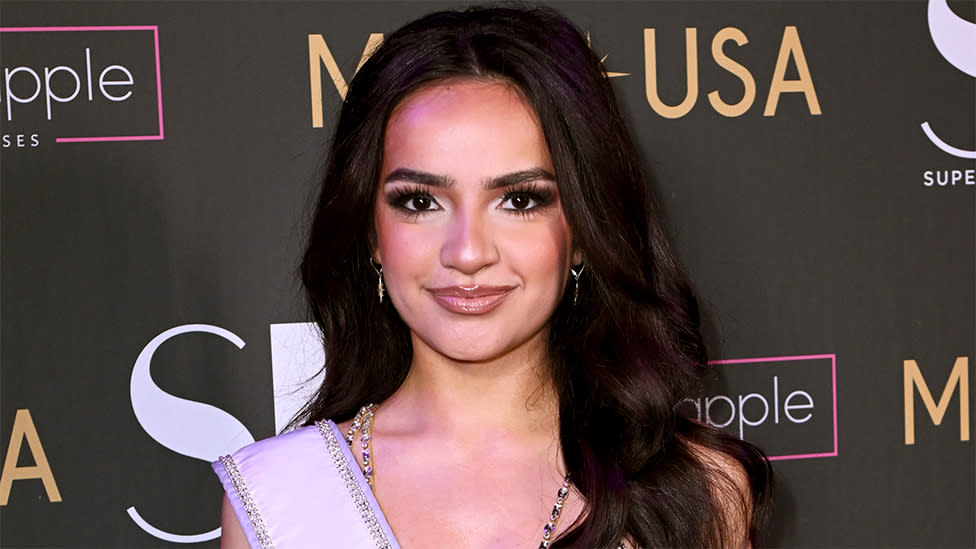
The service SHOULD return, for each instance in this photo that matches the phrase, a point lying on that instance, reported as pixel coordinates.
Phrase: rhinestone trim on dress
(264, 537)
(355, 490)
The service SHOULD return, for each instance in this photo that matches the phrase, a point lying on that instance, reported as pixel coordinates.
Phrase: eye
(519, 201)
(420, 203)
(527, 198)
(412, 200)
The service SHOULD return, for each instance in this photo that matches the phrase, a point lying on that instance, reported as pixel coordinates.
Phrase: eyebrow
(443, 181)
(423, 178)
(522, 176)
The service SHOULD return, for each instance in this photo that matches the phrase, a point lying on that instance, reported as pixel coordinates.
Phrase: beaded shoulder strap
(356, 492)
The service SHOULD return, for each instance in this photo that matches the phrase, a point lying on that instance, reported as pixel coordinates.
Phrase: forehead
(465, 126)
(459, 92)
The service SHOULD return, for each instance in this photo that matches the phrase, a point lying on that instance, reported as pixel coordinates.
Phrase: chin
(472, 354)
(481, 347)
(478, 339)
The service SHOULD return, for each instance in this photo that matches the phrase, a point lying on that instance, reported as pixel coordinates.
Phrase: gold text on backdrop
(958, 379)
(790, 47)
(319, 54)
(24, 429)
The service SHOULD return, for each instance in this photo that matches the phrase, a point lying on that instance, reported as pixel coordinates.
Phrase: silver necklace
(363, 423)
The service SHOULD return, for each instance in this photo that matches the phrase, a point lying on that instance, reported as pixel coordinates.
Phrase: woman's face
(470, 231)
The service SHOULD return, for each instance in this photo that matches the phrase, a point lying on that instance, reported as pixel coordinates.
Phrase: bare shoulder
(731, 491)
(231, 535)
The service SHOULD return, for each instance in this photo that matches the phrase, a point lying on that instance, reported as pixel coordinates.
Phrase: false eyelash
(542, 196)
(399, 196)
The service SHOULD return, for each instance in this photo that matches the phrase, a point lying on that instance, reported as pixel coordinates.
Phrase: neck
(512, 395)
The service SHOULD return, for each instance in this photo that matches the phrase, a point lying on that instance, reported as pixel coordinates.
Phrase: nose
(468, 244)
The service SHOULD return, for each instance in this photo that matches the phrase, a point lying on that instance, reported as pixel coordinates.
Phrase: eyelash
(400, 197)
(542, 197)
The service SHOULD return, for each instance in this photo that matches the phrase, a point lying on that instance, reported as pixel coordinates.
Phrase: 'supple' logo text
(787, 405)
(80, 84)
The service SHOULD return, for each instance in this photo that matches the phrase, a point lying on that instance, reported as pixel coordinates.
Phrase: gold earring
(576, 274)
(380, 290)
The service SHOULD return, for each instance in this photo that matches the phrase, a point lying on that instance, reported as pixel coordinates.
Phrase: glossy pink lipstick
(473, 300)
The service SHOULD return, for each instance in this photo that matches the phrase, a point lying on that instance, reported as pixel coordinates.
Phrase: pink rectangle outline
(833, 382)
(159, 81)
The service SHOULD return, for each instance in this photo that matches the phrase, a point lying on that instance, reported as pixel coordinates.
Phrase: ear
(577, 256)
(374, 246)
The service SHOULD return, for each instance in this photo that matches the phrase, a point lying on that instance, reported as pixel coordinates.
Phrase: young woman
(507, 331)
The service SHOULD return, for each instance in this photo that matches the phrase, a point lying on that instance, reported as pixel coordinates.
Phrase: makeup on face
(470, 230)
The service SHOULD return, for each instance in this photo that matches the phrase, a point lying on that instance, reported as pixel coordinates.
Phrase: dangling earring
(380, 290)
(576, 274)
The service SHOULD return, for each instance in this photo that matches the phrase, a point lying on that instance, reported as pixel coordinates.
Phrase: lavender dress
(303, 489)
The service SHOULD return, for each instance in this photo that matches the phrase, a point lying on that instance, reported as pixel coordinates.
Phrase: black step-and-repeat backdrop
(816, 161)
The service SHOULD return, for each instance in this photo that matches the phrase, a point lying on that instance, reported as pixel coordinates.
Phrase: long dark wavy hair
(622, 358)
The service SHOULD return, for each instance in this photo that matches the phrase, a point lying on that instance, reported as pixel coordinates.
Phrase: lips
(473, 300)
